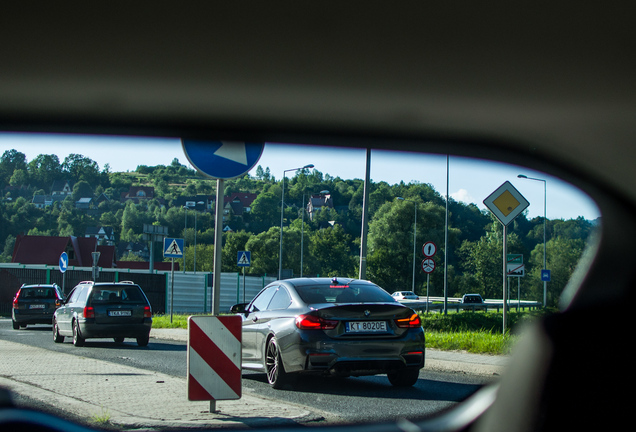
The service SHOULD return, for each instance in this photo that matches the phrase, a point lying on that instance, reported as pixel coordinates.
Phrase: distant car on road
(104, 310)
(339, 327)
(405, 295)
(472, 299)
(35, 304)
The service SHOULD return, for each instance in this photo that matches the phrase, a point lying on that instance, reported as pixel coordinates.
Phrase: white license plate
(365, 327)
(119, 313)
(36, 306)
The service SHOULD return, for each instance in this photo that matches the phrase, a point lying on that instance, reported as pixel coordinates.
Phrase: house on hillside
(138, 193)
(61, 188)
(317, 203)
(104, 235)
(84, 203)
(42, 201)
(138, 249)
(47, 250)
(197, 202)
(241, 202)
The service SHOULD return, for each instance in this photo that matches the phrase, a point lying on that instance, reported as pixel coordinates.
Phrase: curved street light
(282, 207)
(545, 283)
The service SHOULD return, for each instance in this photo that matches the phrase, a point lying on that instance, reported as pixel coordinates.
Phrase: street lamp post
(282, 208)
(414, 238)
(545, 283)
(195, 234)
(185, 231)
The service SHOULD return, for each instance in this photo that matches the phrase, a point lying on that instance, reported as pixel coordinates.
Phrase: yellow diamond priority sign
(506, 203)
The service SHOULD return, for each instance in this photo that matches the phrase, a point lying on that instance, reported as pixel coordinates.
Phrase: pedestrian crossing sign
(172, 248)
(243, 259)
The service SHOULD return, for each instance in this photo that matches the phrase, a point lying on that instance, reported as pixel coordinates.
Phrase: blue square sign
(244, 259)
(545, 275)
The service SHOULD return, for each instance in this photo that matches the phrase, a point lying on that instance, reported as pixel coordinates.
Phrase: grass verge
(474, 332)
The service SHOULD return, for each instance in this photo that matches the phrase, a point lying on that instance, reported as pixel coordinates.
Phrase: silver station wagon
(104, 310)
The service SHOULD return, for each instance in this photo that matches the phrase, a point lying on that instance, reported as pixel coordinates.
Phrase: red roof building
(47, 250)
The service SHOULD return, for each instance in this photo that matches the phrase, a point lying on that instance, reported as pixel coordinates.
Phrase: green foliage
(476, 342)
(329, 241)
(491, 322)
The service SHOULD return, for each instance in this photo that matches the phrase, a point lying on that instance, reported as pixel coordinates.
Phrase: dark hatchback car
(104, 310)
(340, 327)
(35, 304)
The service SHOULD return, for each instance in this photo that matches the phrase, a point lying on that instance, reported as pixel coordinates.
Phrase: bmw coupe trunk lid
(368, 320)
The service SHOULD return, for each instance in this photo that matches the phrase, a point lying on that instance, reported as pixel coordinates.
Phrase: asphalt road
(340, 399)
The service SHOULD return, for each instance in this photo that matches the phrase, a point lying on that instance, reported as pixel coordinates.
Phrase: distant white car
(405, 295)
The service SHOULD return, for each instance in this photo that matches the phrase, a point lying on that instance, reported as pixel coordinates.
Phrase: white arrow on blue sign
(63, 262)
(222, 159)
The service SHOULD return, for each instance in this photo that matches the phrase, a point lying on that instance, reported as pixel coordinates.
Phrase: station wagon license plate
(365, 327)
(36, 306)
(114, 313)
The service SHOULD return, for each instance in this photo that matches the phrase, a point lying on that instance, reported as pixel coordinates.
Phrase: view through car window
(82, 210)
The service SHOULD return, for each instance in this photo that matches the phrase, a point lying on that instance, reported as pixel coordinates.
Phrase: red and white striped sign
(214, 358)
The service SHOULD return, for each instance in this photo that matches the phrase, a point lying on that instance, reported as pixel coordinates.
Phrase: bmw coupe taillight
(413, 321)
(89, 312)
(313, 322)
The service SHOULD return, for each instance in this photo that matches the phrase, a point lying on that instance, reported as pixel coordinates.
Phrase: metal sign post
(506, 203)
(221, 160)
(95, 256)
(428, 250)
(244, 259)
(172, 248)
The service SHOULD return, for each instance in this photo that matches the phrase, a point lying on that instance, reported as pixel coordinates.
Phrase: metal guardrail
(454, 303)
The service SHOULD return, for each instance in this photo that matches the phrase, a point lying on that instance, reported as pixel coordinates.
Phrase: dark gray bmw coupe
(339, 326)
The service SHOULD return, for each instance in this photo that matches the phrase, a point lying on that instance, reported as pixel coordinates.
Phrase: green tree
(483, 261)
(78, 168)
(44, 170)
(265, 212)
(563, 255)
(330, 253)
(390, 242)
(264, 249)
(10, 161)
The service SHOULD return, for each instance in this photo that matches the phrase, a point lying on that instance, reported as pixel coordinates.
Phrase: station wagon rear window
(114, 294)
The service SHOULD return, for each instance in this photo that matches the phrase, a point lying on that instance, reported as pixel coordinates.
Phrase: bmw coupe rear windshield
(353, 293)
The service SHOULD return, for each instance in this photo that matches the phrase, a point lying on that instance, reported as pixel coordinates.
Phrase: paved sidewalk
(96, 389)
(101, 390)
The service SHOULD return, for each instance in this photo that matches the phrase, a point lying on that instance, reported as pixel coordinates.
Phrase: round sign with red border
(429, 249)
(428, 265)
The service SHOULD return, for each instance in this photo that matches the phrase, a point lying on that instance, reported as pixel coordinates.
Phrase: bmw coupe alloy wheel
(276, 376)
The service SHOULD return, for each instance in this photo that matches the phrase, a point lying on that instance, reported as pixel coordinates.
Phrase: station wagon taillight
(413, 321)
(89, 312)
(147, 312)
(15, 302)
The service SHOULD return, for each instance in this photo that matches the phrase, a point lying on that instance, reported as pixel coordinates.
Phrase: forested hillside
(331, 240)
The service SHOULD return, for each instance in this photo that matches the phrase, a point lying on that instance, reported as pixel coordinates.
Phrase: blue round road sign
(63, 262)
(222, 159)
